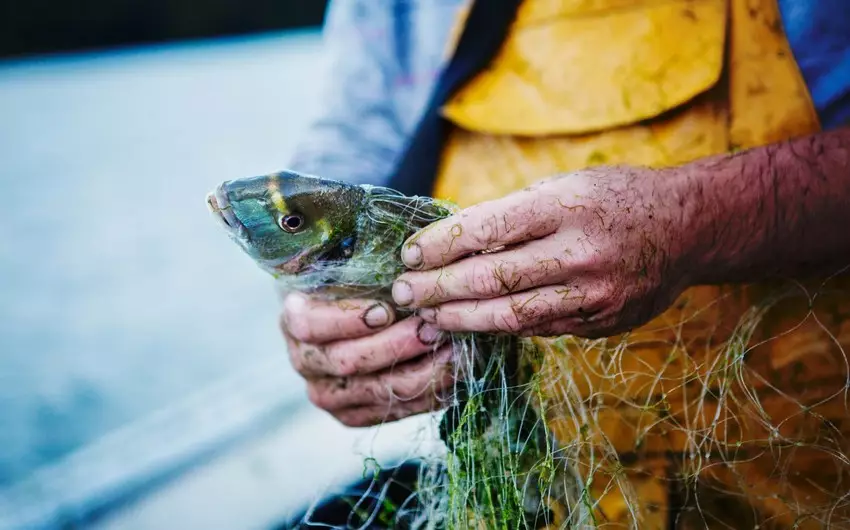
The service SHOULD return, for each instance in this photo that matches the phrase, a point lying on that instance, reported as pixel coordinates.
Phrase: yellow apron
(733, 401)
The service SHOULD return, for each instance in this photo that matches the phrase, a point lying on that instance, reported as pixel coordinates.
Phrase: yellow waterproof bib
(733, 401)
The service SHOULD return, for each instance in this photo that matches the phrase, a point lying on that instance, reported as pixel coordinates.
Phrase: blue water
(118, 294)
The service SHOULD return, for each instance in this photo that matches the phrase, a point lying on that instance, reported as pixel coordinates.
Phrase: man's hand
(601, 251)
(362, 366)
(590, 253)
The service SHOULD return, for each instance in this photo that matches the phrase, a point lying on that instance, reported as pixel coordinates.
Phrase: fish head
(287, 221)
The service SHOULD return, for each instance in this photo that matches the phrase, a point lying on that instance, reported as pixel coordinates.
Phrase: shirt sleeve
(819, 33)
(357, 136)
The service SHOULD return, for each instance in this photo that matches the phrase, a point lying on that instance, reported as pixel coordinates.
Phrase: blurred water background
(137, 343)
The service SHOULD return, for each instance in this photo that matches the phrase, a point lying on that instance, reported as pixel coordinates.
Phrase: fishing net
(728, 411)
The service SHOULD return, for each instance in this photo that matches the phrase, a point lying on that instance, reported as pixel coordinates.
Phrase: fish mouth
(314, 259)
(220, 207)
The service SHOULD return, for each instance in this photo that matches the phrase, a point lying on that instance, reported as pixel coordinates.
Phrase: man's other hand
(362, 366)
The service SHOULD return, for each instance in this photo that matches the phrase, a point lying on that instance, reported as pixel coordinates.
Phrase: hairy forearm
(776, 211)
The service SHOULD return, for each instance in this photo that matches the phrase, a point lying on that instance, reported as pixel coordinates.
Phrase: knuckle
(299, 327)
(481, 280)
(345, 368)
(296, 359)
(603, 294)
(447, 317)
(317, 396)
(609, 291)
(616, 304)
(513, 324)
(408, 388)
(487, 230)
(381, 392)
(307, 360)
(345, 359)
(610, 298)
(597, 301)
(354, 419)
(524, 312)
(549, 267)
(505, 278)
(405, 345)
(506, 322)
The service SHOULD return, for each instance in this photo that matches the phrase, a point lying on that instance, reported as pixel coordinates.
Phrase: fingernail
(428, 334)
(429, 314)
(402, 293)
(411, 255)
(376, 316)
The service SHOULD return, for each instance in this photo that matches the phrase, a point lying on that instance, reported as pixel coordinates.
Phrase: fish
(322, 236)
(336, 239)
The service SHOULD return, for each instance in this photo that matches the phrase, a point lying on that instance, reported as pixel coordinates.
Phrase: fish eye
(291, 223)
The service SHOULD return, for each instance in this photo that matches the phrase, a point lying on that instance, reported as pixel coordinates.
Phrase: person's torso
(486, 156)
(818, 31)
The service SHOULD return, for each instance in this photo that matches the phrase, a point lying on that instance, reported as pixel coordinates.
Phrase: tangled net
(728, 411)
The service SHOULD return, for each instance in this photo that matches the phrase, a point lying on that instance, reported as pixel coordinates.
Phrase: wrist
(767, 212)
(729, 215)
(710, 233)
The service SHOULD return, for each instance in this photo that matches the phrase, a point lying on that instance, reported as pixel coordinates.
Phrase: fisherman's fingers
(520, 312)
(534, 264)
(396, 344)
(424, 380)
(317, 321)
(521, 216)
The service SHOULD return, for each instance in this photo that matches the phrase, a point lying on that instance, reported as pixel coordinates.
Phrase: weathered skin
(340, 240)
